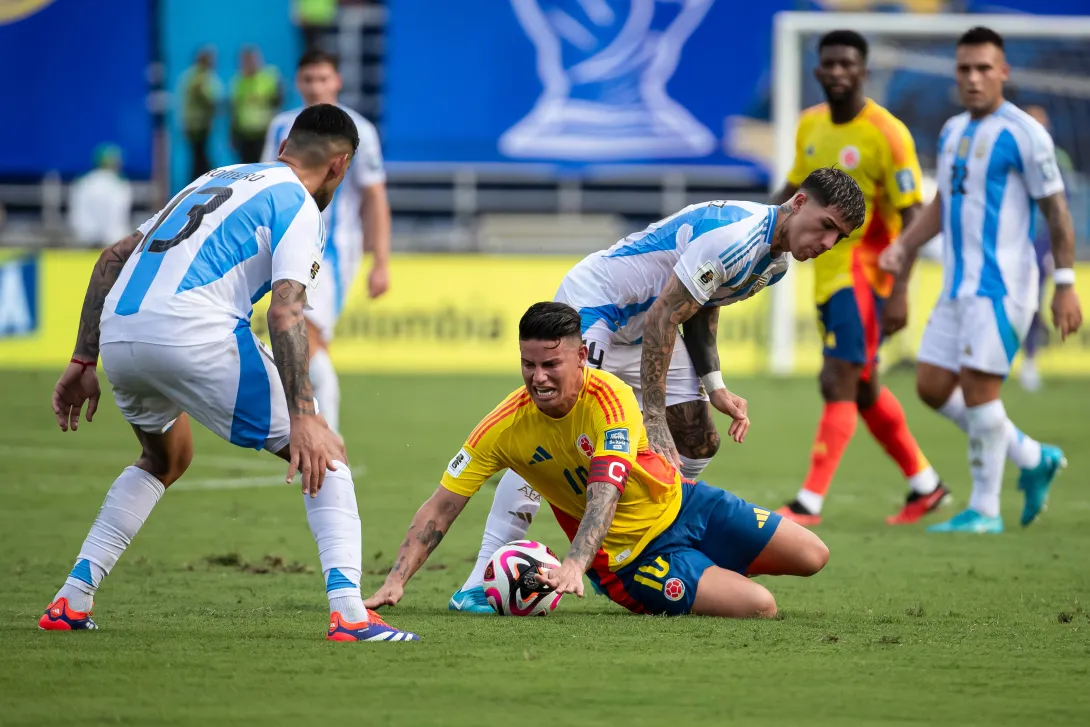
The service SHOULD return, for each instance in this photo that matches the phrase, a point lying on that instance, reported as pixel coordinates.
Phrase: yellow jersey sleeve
(800, 170)
(482, 456)
(901, 175)
(618, 424)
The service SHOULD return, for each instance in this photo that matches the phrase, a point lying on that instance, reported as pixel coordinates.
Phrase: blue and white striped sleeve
(716, 257)
(297, 236)
(1039, 167)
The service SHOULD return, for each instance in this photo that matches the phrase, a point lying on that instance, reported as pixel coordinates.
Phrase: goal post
(921, 44)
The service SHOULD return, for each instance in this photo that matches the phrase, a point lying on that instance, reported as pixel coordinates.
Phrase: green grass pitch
(216, 615)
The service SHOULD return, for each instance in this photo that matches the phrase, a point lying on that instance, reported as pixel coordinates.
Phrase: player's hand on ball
(314, 447)
(736, 408)
(895, 313)
(660, 440)
(388, 595)
(892, 259)
(378, 281)
(78, 384)
(568, 578)
(1066, 312)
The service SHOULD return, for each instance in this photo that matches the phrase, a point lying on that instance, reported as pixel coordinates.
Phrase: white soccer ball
(509, 582)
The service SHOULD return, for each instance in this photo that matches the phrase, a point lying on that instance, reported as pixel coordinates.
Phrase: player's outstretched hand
(78, 384)
(388, 595)
(378, 281)
(736, 408)
(568, 578)
(892, 259)
(660, 440)
(314, 449)
(1066, 311)
(895, 313)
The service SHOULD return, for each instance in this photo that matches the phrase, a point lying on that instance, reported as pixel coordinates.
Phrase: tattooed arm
(1066, 311)
(674, 306)
(426, 531)
(602, 500)
(313, 448)
(699, 335)
(79, 382)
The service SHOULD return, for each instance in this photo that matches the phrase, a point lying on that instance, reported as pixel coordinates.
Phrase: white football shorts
(231, 387)
(975, 333)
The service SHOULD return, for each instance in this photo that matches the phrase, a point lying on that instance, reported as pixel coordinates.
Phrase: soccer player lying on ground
(170, 306)
(725, 252)
(652, 541)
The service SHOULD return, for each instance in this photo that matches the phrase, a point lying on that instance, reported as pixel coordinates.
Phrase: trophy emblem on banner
(604, 65)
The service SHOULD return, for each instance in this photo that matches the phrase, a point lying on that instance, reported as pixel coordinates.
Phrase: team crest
(674, 589)
(979, 151)
(585, 445)
(849, 157)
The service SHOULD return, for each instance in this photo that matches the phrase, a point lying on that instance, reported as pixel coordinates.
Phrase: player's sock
(691, 468)
(327, 388)
(126, 507)
(513, 509)
(835, 430)
(987, 455)
(335, 523)
(886, 421)
(1024, 451)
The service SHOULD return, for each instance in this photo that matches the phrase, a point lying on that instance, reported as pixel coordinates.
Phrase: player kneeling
(653, 542)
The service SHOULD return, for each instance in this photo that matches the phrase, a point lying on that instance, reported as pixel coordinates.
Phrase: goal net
(911, 73)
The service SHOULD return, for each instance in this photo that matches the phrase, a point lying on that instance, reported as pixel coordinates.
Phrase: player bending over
(858, 304)
(169, 309)
(358, 213)
(717, 253)
(651, 540)
(994, 161)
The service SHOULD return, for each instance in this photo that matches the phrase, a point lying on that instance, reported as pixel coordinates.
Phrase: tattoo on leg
(693, 429)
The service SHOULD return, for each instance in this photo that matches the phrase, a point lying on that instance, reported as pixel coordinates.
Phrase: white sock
(126, 507)
(335, 524)
(987, 455)
(924, 482)
(327, 388)
(513, 509)
(1024, 451)
(691, 468)
(811, 501)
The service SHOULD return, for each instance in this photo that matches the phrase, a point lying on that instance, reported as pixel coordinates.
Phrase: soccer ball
(509, 582)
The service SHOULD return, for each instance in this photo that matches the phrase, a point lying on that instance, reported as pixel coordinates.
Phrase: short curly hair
(835, 188)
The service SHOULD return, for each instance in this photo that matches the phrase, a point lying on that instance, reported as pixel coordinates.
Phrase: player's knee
(931, 394)
(814, 557)
(763, 604)
(838, 381)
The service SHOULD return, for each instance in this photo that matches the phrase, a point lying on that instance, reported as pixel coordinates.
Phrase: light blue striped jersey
(720, 251)
(990, 172)
(212, 253)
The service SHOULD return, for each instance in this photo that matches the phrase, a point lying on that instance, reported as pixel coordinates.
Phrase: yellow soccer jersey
(554, 456)
(877, 150)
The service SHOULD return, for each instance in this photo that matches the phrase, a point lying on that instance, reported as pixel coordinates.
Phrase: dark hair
(981, 36)
(549, 322)
(317, 127)
(835, 188)
(844, 37)
(317, 56)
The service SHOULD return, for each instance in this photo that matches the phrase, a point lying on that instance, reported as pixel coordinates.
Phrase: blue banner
(574, 83)
(73, 75)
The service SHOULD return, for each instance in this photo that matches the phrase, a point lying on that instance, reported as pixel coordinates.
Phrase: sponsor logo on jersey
(963, 147)
(674, 589)
(1049, 170)
(906, 181)
(540, 455)
(585, 445)
(762, 516)
(459, 463)
(849, 157)
(705, 278)
(617, 440)
(19, 297)
(622, 556)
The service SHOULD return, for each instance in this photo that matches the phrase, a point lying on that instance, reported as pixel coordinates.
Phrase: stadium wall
(453, 314)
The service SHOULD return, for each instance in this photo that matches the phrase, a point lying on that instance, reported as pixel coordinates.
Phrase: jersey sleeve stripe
(498, 415)
(887, 126)
(602, 391)
(606, 409)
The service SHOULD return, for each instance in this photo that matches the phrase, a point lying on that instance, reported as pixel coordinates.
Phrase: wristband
(85, 364)
(713, 381)
(1063, 276)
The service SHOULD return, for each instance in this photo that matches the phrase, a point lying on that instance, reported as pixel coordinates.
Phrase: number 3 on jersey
(174, 226)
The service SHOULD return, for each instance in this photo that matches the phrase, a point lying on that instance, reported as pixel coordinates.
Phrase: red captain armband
(610, 469)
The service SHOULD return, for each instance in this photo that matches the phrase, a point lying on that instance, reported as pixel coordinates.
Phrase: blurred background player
(632, 297)
(649, 540)
(994, 161)
(1037, 337)
(857, 303)
(202, 93)
(100, 205)
(358, 216)
(256, 95)
(166, 304)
